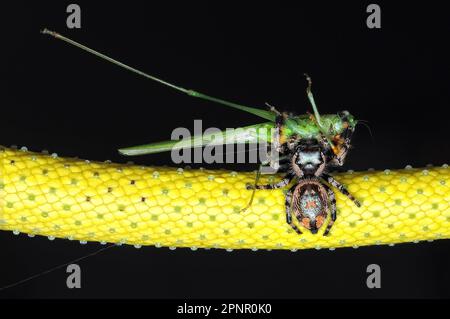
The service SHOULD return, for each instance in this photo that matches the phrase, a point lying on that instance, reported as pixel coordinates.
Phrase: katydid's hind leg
(287, 204)
(253, 188)
(332, 199)
(330, 179)
(311, 99)
(272, 108)
(258, 176)
(284, 182)
(256, 186)
(276, 138)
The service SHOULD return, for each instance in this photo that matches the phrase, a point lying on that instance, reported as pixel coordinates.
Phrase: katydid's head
(314, 125)
(332, 132)
(334, 128)
(347, 118)
(344, 118)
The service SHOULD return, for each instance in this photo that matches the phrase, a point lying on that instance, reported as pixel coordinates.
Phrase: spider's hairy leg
(330, 179)
(287, 204)
(332, 199)
(342, 150)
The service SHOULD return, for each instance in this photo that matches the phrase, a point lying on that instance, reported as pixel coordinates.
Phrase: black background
(67, 101)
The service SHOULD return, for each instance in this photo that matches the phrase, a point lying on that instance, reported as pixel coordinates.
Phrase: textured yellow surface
(41, 194)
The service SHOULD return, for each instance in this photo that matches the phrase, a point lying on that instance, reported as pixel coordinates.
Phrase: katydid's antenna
(258, 112)
(107, 58)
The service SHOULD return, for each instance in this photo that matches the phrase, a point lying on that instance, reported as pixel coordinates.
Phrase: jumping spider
(310, 199)
(307, 158)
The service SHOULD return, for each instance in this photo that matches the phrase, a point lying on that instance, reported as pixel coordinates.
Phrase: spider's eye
(305, 158)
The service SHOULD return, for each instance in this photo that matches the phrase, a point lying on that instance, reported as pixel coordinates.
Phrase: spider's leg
(343, 149)
(284, 167)
(341, 188)
(254, 187)
(287, 204)
(333, 216)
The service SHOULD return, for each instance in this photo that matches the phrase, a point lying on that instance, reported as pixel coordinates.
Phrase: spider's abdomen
(310, 205)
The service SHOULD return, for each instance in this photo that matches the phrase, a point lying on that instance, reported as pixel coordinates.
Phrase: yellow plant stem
(43, 194)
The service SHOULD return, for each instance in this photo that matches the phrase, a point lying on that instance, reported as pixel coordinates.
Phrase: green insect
(305, 145)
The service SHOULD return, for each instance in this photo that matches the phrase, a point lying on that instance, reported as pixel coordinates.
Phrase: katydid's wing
(258, 133)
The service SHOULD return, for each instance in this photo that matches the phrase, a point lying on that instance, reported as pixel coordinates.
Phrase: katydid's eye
(343, 114)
